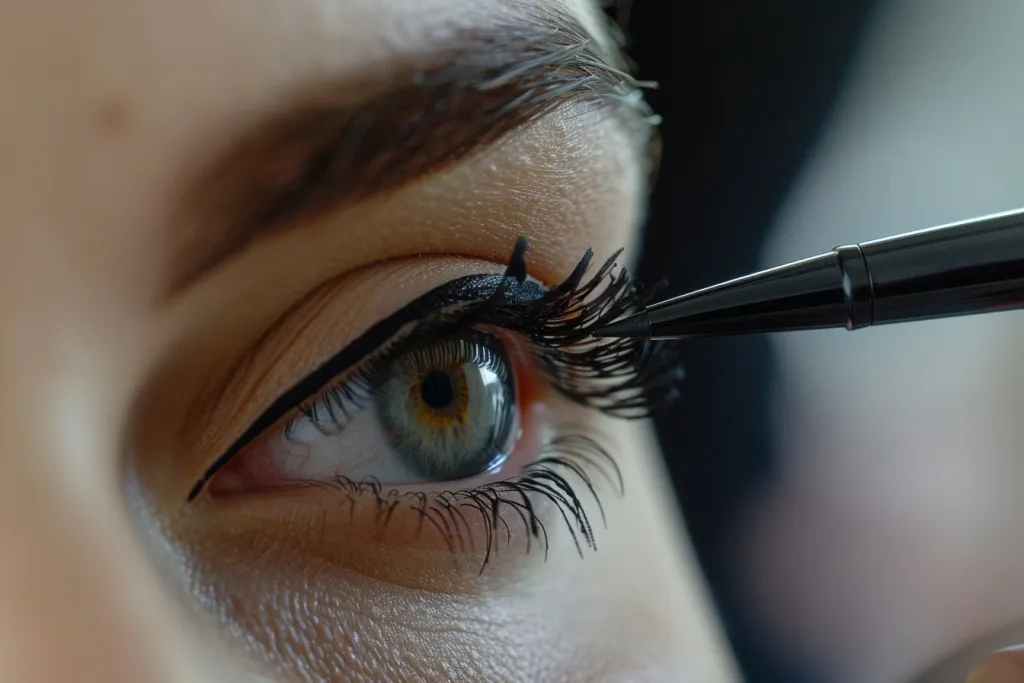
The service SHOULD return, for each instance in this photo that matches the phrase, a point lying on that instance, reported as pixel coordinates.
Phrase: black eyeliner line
(468, 289)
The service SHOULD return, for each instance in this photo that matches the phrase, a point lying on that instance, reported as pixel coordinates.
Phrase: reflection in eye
(448, 409)
(426, 395)
(441, 411)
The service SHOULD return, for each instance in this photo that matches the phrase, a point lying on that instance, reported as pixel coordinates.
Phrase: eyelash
(626, 378)
(570, 453)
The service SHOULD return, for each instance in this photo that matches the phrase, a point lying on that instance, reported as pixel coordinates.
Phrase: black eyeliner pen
(974, 266)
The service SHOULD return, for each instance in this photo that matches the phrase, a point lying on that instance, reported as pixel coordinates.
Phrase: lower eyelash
(507, 504)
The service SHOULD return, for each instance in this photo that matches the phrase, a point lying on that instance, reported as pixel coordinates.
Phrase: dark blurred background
(745, 86)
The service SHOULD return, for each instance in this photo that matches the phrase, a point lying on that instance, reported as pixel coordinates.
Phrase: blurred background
(854, 499)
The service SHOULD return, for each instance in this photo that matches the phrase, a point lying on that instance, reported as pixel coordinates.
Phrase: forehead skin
(108, 109)
(118, 137)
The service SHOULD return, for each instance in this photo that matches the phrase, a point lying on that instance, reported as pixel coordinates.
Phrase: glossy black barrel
(970, 267)
(974, 266)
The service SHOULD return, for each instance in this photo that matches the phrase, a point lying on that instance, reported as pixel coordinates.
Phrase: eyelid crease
(623, 377)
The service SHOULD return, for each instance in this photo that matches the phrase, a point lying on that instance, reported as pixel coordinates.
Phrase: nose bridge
(78, 601)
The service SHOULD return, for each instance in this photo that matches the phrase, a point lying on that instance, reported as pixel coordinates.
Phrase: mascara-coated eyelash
(622, 377)
(565, 456)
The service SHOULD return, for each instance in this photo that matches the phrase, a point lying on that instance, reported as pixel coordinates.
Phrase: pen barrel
(976, 266)
(828, 290)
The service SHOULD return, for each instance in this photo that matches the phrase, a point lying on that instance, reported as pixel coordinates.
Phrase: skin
(1005, 666)
(109, 392)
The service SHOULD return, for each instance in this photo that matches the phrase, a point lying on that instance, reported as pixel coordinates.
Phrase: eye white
(406, 428)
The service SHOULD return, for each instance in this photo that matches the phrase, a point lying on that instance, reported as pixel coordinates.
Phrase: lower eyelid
(386, 537)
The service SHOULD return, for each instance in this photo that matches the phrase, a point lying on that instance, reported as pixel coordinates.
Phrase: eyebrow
(322, 152)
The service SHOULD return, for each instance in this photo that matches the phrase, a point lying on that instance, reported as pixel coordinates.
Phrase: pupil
(437, 390)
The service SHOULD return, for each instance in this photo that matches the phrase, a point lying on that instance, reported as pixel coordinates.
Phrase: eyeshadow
(509, 289)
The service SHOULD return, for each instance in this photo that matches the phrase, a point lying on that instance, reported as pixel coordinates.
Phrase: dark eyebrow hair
(324, 152)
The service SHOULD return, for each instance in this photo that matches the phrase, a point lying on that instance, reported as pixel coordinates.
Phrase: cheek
(313, 618)
(316, 592)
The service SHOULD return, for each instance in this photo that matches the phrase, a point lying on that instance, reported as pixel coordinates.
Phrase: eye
(453, 423)
(439, 411)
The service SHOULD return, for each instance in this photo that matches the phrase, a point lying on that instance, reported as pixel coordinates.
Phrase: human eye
(433, 426)
(434, 411)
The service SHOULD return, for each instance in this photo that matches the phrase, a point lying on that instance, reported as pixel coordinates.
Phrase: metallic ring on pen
(857, 289)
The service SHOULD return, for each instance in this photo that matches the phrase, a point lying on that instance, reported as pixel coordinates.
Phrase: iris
(448, 407)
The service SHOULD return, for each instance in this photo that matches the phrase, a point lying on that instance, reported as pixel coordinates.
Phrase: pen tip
(633, 326)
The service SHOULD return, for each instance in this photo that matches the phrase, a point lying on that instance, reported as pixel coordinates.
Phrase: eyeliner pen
(974, 266)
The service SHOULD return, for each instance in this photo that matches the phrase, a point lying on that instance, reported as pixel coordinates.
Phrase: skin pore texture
(116, 395)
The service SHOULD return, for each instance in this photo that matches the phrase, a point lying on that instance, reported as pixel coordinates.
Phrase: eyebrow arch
(323, 152)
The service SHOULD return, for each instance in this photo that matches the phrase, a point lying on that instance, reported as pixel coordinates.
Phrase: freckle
(112, 117)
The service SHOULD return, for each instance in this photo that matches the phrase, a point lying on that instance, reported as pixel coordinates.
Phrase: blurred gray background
(854, 498)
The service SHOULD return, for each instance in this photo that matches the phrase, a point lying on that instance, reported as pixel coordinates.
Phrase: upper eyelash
(624, 377)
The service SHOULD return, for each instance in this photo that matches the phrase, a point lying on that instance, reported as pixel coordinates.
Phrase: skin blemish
(112, 117)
